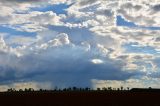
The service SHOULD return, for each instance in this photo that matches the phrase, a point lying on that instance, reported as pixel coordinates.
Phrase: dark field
(80, 98)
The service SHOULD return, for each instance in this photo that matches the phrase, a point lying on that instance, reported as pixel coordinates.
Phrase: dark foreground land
(81, 98)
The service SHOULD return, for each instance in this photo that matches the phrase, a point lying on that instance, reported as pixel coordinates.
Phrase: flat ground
(80, 98)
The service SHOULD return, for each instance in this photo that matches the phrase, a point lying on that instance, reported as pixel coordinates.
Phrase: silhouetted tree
(87, 89)
(150, 88)
(25, 89)
(104, 89)
(69, 89)
(81, 89)
(20, 90)
(121, 87)
(64, 89)
(11, 90)
(109, 88)
(114, 89)
(98, 89)
(41, 90)
(56, 88)
(74, 88)
(30, 89)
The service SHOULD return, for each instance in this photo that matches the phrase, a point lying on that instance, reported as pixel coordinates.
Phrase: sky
(83, 43)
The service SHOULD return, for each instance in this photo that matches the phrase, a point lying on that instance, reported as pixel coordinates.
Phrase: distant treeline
(71, 89)
(84, 89)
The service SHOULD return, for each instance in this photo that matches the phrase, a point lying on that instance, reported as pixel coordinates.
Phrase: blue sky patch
(134, 48)
(11, 31)
(58, 9)
(122, 22)
(151, 28)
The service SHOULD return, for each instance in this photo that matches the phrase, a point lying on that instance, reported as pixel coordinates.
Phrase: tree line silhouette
(70, 89)
(107, 89)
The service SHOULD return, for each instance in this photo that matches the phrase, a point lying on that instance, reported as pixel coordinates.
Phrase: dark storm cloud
(156, 7)
(63, 68)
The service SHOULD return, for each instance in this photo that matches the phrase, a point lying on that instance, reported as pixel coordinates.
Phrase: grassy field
(80, 98)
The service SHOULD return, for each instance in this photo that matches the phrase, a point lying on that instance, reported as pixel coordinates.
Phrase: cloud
(86, 2)
(156, 7)
(97, 61)
(45, 18)
(134, 12)
(144, 82)
(61, 62)
(24, 85)
(82, 45)
(21, 1)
